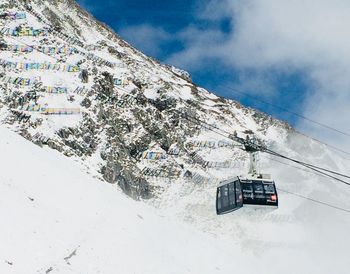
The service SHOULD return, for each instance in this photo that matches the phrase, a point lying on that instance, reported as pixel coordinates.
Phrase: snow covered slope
(111, 114)
(55, 217)
(70, 83)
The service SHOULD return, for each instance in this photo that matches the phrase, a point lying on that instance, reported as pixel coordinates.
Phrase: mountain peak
(68, 82)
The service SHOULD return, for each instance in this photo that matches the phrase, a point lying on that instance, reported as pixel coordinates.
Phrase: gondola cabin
(229, 196)
(232, 194)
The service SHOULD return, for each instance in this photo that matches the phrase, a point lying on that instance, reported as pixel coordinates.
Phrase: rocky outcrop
(129, 105)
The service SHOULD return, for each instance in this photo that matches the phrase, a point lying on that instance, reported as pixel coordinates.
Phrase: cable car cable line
(326, 174)
(314, 200)
(304, 197)
(300, 133)
(310, 165)
(296, 167)
(323, 143)
(288, 111)
(239, 203)
(249, 145)
(319, 170)
(315, 168)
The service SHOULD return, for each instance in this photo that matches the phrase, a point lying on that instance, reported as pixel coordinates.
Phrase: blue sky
(253, 46)
(172, 17)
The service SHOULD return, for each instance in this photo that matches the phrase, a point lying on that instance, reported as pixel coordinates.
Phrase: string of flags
(89, 56)
(18, 80)
(199, 160)
(210, 164)
(48, 89)
(168, 173)
(125, 99)
(56, 90)
(52, 51)
(92, 47)
(198, 178)
(24, 32)
(28, 107)
(21, 117)
(225, 164)
(204, 144)
(30, 31)
(49, 111)
(39, 66)
(56, 50)
(150, 155)
(80, 90)
(13, 15)
(36, 14)
(68, 39)
(95, 58)
(38, 137)
(43, 49)
(120, 82)
(64, 90)
(211, 144)
(174, 151)
(16, 48)
(61, 111)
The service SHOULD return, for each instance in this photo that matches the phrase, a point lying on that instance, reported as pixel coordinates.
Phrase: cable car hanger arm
(251, 145)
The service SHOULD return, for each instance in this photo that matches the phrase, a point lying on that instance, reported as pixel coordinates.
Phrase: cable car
(253, 189)
(232, 194)
(259, 190)
(229, 196)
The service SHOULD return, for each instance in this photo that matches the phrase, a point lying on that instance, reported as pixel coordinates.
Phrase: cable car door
(271, 194)
(257, 192)
(229, 197)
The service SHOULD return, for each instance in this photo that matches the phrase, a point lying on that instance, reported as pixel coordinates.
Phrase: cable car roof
(266, 178)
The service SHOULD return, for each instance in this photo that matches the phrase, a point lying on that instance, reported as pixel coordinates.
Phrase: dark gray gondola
(234, 193)
(228, 196)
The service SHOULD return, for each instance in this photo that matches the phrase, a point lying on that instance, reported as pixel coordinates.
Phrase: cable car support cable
(314, 200)
(258, 147)
(289, 111)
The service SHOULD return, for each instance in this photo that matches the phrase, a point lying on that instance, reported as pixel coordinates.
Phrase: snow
(301, 236)
(57, 217)
(49, 208)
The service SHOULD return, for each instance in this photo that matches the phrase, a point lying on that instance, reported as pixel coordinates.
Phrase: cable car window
(269, 189)
(258, 187)
(232, 195)
(229, 197)
(218, 199)
(246, 187)
(224, 196)
(239, 195)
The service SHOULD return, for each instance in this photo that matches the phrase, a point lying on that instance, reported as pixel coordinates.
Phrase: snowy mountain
(70, 84)
(67, 222)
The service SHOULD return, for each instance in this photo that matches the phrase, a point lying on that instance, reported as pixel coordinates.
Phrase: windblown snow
(86, 119)
(54, 216)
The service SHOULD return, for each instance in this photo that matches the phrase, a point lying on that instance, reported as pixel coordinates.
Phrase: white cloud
(287, 36)
(311, 36)
(199, 46)
(146, 37)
